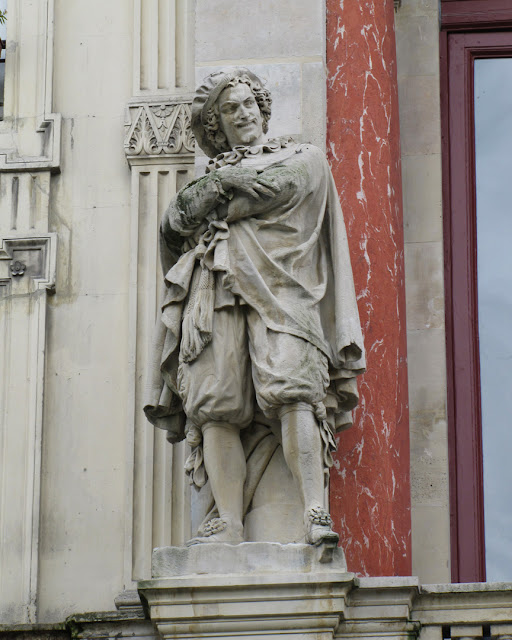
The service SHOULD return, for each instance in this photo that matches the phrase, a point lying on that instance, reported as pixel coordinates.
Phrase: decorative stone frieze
(159, 129)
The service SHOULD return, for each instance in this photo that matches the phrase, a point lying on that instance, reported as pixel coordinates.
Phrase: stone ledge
(256, 589)
(244, 559)
(221, 606)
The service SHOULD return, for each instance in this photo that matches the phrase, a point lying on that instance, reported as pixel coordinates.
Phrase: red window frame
(469, 31)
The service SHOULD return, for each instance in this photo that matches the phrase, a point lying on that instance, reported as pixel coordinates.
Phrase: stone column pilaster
(159, 148)
(370, 492)
(30, 136)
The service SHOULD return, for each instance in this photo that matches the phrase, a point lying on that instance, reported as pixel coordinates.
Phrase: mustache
(245, 122)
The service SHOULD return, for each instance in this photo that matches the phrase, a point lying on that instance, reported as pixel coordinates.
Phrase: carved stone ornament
(158, 129)
(34, 255)
(18, 268)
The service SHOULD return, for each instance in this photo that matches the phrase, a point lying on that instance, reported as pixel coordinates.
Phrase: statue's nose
(243, 111)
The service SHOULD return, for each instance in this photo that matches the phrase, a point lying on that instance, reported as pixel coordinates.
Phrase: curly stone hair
(211, 121)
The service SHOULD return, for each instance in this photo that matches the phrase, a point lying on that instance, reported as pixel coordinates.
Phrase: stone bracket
(29, 256)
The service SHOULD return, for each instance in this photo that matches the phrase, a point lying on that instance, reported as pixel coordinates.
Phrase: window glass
(493, 149)
(3, 27)
(3, 36)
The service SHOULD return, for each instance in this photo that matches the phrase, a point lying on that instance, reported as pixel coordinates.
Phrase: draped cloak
(285, 256)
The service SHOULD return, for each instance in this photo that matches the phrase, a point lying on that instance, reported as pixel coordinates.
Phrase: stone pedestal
(256, 589)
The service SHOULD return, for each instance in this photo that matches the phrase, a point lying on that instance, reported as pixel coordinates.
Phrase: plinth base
(257, 589)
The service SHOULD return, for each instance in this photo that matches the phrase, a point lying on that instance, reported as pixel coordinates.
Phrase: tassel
(204, 302)
(197, 325)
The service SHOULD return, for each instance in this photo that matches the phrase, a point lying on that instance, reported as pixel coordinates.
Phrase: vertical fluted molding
(163, 47)
(160, 151)
(159, 491)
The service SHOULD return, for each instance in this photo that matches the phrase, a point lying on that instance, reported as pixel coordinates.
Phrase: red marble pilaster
(370, 488)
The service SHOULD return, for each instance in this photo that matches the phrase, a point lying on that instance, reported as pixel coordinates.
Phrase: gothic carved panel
(159, 129)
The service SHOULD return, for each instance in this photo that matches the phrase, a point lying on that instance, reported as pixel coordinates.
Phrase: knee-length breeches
(246, 362)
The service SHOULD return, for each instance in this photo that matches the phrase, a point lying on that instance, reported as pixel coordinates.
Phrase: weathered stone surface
(261, 590)
(423, 219)
(262, 28)
(417, 25)
(246, 558)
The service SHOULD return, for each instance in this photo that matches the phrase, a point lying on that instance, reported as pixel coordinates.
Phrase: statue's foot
(218, 530)
(319, 528)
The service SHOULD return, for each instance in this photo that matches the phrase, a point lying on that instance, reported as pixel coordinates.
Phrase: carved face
(240, 116)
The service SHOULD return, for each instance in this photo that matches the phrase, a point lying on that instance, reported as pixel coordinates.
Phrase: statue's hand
(247, 181)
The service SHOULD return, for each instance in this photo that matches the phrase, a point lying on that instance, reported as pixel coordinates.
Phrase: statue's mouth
(242, 125)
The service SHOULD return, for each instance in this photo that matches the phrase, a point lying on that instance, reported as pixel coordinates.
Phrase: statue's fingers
(254, 194)
(270, 185)
(264, 190)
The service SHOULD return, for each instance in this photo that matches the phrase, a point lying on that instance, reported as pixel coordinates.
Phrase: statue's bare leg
(303, 452)
(224, 460)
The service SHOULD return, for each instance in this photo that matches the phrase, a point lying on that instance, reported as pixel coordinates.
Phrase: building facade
(94, 141)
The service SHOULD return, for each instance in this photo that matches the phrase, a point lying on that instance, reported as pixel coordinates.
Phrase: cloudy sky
(493, 126)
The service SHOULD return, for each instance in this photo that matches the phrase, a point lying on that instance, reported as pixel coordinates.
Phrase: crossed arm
(232, 193)
(197, 200)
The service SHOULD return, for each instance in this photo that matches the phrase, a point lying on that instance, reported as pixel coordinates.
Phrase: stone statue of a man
(259, 332)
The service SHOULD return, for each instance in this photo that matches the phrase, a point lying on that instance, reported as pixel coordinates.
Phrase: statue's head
(231, 107)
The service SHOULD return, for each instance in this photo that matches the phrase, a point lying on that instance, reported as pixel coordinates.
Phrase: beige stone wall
(99, 517)
(85, 474)
(281, 40)
(417, 29)
(105, 476)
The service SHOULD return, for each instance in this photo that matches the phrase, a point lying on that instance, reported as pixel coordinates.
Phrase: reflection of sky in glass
(3, 27)
(493, 126)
